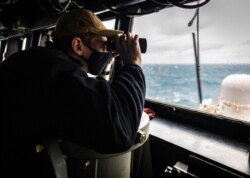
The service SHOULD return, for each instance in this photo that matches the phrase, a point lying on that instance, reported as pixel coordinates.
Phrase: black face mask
(98, 61)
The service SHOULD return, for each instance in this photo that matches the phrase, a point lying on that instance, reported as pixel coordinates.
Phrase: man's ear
(77, 45)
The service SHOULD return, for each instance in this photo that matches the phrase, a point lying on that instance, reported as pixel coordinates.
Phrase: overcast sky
(224, 33)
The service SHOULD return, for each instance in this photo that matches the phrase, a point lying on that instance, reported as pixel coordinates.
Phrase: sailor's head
(83, 34)
(82, 21)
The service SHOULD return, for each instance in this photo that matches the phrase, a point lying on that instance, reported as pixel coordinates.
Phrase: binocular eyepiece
(142, 42)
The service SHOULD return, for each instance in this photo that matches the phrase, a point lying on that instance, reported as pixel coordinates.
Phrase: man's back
(25, 85)
(25, 109)
(45, 94)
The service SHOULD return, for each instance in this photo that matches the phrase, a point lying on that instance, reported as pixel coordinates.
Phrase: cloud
(233, 53)
(224, 33)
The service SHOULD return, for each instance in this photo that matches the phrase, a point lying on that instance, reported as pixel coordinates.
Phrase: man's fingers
(136, 37)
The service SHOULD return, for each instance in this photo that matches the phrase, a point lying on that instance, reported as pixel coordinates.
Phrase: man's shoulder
(44, 51)
(40, 58)
(38, 52)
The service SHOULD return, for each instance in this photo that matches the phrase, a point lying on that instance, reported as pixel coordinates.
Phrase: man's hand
(128, 47)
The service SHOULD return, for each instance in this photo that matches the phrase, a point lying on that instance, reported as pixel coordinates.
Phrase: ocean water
(177, 83)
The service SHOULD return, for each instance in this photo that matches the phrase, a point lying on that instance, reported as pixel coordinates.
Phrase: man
(46, 92)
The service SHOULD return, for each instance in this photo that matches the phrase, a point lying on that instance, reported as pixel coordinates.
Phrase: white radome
(235, 97)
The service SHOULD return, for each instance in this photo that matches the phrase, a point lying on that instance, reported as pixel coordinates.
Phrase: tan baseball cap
(80, 21)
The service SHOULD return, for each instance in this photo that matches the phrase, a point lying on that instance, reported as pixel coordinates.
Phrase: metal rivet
(86, 164)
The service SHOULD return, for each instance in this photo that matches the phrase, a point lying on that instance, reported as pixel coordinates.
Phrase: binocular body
(142, 42)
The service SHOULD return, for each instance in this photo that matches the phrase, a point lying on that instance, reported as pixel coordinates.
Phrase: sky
(224, 33)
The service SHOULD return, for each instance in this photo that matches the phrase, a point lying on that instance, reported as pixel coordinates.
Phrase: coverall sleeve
(100, 115)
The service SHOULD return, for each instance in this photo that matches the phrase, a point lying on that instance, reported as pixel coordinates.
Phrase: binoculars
(142, 41)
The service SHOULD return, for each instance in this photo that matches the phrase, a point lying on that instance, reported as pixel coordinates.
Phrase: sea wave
(177, 84)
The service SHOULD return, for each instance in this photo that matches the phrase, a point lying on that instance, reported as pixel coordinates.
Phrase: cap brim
(107, 32)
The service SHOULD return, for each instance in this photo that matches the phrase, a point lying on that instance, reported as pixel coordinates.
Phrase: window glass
(224, 43)
(110, 24)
